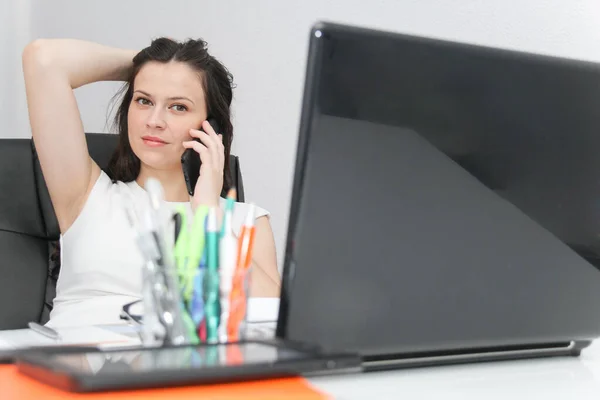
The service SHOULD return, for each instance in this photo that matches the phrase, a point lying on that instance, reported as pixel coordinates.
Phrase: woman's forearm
(80, 61)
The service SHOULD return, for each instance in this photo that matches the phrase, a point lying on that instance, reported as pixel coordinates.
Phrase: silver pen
(44, 330)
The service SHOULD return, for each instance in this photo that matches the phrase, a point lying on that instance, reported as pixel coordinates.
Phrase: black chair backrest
(23, 238)
(29, 229)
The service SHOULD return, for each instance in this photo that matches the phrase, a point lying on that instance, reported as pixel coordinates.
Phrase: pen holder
(152, 332)
(162, 317)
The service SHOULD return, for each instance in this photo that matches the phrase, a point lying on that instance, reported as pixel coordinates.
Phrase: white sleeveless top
(101, 266)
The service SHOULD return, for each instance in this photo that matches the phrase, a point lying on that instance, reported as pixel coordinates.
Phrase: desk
(549, 379)
(575, 378)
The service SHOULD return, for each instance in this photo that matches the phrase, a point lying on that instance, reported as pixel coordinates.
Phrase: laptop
(446, 202)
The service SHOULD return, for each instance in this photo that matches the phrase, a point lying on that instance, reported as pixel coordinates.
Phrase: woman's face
(168, 101)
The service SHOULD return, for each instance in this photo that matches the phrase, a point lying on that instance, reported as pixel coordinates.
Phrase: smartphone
(190, 161)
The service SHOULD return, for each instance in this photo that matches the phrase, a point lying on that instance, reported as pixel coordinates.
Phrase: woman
(171, 89)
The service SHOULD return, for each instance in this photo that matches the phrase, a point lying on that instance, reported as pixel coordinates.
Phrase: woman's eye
(143, 101)
(179, 107)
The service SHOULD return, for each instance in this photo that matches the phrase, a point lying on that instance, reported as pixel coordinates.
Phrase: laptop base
(389, 362)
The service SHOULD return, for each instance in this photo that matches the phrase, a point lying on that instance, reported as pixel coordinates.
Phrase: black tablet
(96, 370)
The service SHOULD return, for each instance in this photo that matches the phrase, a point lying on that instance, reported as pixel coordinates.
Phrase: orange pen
(237, 297)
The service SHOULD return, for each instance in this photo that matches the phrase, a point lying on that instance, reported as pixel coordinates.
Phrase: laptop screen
(446, 196)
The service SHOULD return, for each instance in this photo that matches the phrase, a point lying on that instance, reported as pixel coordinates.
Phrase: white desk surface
(572, 378)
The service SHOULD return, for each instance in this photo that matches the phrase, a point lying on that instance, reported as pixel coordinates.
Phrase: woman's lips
(153, 141)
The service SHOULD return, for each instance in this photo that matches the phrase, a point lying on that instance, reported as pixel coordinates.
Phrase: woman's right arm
(52, 69)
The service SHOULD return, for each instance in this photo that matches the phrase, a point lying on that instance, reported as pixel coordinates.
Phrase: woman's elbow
(38, 54)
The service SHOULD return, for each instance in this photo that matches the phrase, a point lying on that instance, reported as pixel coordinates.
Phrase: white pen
(169, 311)
(227, 262)
(44, 330)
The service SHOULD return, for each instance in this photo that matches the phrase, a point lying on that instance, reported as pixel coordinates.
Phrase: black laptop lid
(446, 197)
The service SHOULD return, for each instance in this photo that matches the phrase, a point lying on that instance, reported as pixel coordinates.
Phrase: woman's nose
(156, 119)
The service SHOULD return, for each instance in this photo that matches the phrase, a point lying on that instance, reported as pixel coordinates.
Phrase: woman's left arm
(265, 278)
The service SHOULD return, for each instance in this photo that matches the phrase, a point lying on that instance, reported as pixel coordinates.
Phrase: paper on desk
(262, 317)
(263, 309)
(81, 336)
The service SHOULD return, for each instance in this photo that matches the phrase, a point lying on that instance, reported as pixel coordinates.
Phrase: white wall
(264, 43)
(15, 32)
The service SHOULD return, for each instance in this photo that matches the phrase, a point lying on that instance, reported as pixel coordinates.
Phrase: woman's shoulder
(108, 191)
(244, 208)
(240, 212)
(105, 198)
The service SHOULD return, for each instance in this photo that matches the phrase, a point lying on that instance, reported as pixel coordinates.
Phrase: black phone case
(190, 161)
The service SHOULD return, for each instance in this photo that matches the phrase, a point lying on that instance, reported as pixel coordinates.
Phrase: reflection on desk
(169, 358)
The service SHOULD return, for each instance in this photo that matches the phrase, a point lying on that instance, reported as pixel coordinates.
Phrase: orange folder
(14, 385)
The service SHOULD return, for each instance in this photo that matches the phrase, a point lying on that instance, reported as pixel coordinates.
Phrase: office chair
(29, 231)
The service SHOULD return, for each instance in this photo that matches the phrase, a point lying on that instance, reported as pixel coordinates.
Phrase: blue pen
(197, 306)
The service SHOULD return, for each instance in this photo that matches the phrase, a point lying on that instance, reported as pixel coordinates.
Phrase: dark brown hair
(217, 83)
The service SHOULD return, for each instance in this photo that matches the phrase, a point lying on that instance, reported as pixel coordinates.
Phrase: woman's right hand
(212, 154)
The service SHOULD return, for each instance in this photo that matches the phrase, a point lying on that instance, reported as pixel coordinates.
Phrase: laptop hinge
(464, 356)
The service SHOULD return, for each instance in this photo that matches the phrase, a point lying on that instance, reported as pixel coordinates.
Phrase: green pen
(195, 250)
(183, 242)
(231, 196)
(211, 304)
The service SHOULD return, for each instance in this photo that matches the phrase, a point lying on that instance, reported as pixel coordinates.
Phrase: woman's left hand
(212, 154)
